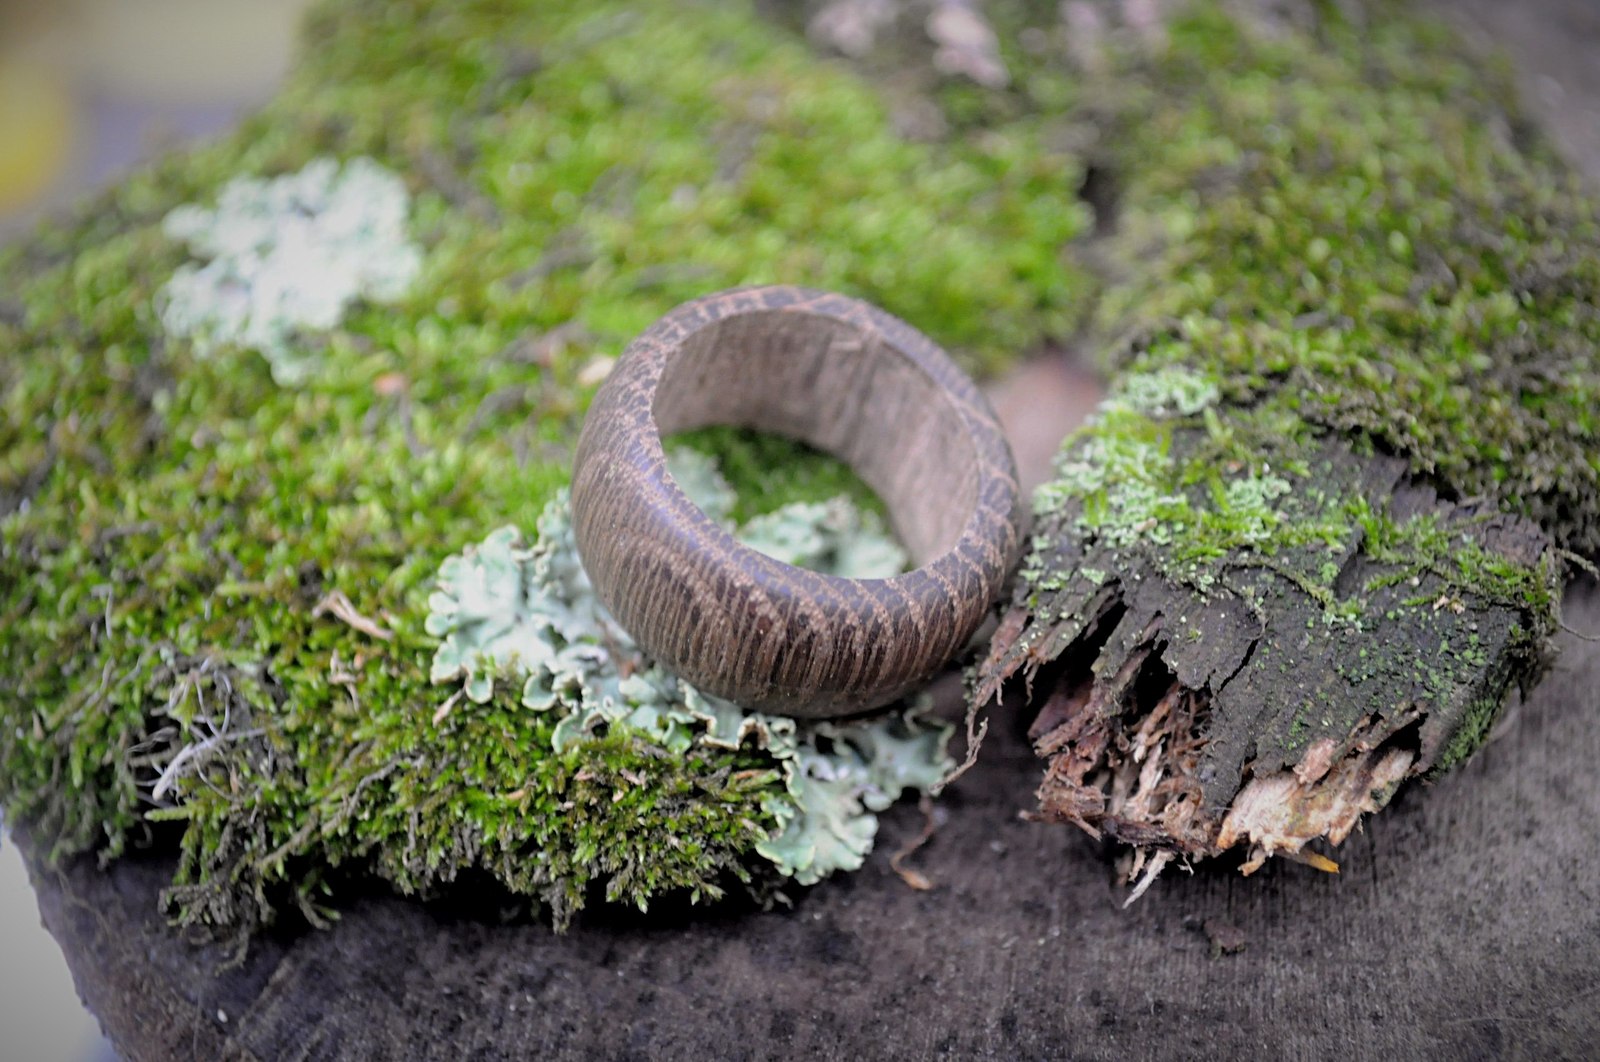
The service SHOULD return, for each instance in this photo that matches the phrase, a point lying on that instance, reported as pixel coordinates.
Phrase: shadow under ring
(854, 382)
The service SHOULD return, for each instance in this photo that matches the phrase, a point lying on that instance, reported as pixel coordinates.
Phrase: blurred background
(89, 88)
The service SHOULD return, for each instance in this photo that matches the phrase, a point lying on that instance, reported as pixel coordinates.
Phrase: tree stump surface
(1465, 923)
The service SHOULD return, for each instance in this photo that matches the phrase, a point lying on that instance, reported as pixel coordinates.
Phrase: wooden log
(1463, 925)
(1317, 533)
(1460, 926)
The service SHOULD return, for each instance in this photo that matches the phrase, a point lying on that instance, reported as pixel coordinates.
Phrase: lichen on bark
(1314, 538)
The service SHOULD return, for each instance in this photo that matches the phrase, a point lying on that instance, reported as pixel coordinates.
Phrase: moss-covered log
(1362, 309)
(215, 566)
(1316, 536)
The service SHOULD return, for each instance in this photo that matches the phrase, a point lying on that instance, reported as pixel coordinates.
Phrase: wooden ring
(854, 382)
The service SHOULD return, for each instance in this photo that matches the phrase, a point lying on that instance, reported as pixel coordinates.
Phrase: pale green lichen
(1121, 470)
(832, 536)
(530, 613)
(1123, 480)
(1248, 502)
(840, 774)
(1173, 390)
(836, 535)
(697, 474)
(287, 258)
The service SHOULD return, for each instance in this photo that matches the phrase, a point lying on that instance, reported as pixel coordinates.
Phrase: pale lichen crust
(289, 256)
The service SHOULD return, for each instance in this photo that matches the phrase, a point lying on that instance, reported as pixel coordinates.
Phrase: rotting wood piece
(1332, 290)
(1257, 713)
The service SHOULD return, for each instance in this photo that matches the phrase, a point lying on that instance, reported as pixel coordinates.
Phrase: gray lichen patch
(286, 258)
(528, 614)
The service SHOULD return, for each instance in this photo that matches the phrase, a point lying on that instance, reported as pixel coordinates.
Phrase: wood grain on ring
(852, 381)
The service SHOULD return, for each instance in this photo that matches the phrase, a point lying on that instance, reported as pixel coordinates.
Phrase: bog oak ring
(854, 382)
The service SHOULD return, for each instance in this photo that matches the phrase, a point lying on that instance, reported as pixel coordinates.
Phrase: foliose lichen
(287, 257)
(530, 613)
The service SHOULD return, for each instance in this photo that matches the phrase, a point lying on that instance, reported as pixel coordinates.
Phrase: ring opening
(844, 391)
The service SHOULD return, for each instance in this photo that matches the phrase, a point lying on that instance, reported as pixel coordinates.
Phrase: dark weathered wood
(1185, 723)
(854, 382)
(1466, 924)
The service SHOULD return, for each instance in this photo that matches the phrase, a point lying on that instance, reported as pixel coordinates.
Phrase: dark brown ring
(852, 381)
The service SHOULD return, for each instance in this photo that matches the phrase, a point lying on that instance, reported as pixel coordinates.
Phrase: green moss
(1351, 309)
(172, 522)
(773, 471)
(1334, 239)
(422, 803)
(1184, 491)
(1423, 544)
(1347, 233)
(1470, 737)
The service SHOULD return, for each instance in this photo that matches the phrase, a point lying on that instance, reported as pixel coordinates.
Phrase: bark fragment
(1315, 536)
(1269, 710)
